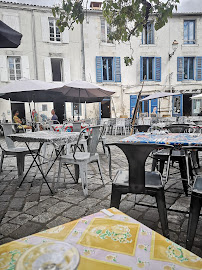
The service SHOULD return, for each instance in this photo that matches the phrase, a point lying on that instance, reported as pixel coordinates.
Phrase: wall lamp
(174, 47)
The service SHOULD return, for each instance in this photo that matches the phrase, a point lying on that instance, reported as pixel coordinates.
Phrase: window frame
(145, 34)
(42, 107)
(188, 66)
(106, 32)
(147, 69)
(14, 63)
(107, 58)
(188, 42)
(54, 31)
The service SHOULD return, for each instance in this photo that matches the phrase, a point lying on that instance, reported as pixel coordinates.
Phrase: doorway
(187, 105)
(59, 108)
(106, 108)
(15, 106)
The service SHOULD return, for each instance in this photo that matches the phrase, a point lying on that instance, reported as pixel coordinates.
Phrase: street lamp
(174, 47)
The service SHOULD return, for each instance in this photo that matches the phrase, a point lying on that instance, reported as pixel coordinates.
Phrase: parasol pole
(136, 108)
(79, 105)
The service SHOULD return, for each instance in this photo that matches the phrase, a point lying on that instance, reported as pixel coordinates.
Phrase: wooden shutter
(45, 28)
(25, 67)
(180, 68)
(65, 36)
(48, 69)
(199, 68)
(157, 69)
(66, 70)
(141, 68)
(99, 77)
(3, 68)
(12, 20)
(117, 67)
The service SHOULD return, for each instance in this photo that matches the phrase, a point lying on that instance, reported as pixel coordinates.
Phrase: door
(133, 101)
(18, 107)
(177, 105)
(59, 108)
(105, 108)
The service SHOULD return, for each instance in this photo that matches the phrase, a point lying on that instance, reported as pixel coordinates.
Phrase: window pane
(104, 69)
(51, 23)
(110, 69)
(17, 59)
(191, 68)
(185, 68)
(186, 31)
(150, 68)
(150, 33)
(145, 68)
(191, 32)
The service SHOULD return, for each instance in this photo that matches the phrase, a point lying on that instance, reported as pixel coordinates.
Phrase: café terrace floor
(31, 208)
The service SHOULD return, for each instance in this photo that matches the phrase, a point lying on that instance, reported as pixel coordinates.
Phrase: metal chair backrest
(93, 139)
(136, 155)
(103, 130)
(8, 130)
(142, 128)
(178, 128)
(120, 122)
(76, 126)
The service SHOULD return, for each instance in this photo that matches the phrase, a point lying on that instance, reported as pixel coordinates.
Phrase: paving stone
(134, 214)
(152, 215)
(6, 240)
(5, 198)
(135, 197)
(44, 217)
(33, 197)
(89, 202)
(181, 204)
(7, 228)
(35, 210)
(126, 206)
(29, 205)
(21, 219)
(175, 217)
(75, 212)
(12, 214)
(59, 207)
(17, 204)
(73, 199)
(58, 221)
(26, 229)
(102, 192)
(48, 203)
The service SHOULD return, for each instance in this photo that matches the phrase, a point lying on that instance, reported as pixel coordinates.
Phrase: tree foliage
(127, 18)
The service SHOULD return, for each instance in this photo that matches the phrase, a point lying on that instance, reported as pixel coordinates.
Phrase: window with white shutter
(54, 31)
(14, 66)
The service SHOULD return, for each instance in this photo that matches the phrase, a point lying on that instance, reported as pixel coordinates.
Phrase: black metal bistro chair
(196, 199)
(136, 180)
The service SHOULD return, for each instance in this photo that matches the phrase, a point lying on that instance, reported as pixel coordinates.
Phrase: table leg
(38, 165)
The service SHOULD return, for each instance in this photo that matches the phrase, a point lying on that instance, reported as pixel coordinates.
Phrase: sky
(184, 6)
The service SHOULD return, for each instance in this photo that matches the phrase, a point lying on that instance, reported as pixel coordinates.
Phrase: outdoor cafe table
(114, 242)
(175, 139)
(59, 140)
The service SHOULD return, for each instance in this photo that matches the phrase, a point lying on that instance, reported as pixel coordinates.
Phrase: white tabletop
(45, 136)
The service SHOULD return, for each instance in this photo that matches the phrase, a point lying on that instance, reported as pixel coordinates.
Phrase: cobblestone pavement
(31, 208)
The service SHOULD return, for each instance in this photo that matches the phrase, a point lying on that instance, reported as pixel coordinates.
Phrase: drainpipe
(83, 55)
(34, 46)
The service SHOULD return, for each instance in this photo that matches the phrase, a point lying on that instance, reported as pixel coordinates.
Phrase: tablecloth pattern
(110, 243)
(67, 127)
(176, 139)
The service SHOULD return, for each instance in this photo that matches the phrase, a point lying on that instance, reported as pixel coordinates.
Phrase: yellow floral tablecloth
(110, 243)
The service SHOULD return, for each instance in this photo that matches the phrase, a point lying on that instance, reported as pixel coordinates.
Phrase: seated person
(17, 120)
(54, 117)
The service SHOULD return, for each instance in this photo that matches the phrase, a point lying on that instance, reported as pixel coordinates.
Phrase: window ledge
(56, 42)
(191, 45)
(107, 44)
(147, 45)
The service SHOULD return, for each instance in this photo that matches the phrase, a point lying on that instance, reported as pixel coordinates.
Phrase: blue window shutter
(157, 69)
(99, 77)
(117, 69)
(180, 68)
(141, 68)
(154, 103)
(199, 68)
(133, 101)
